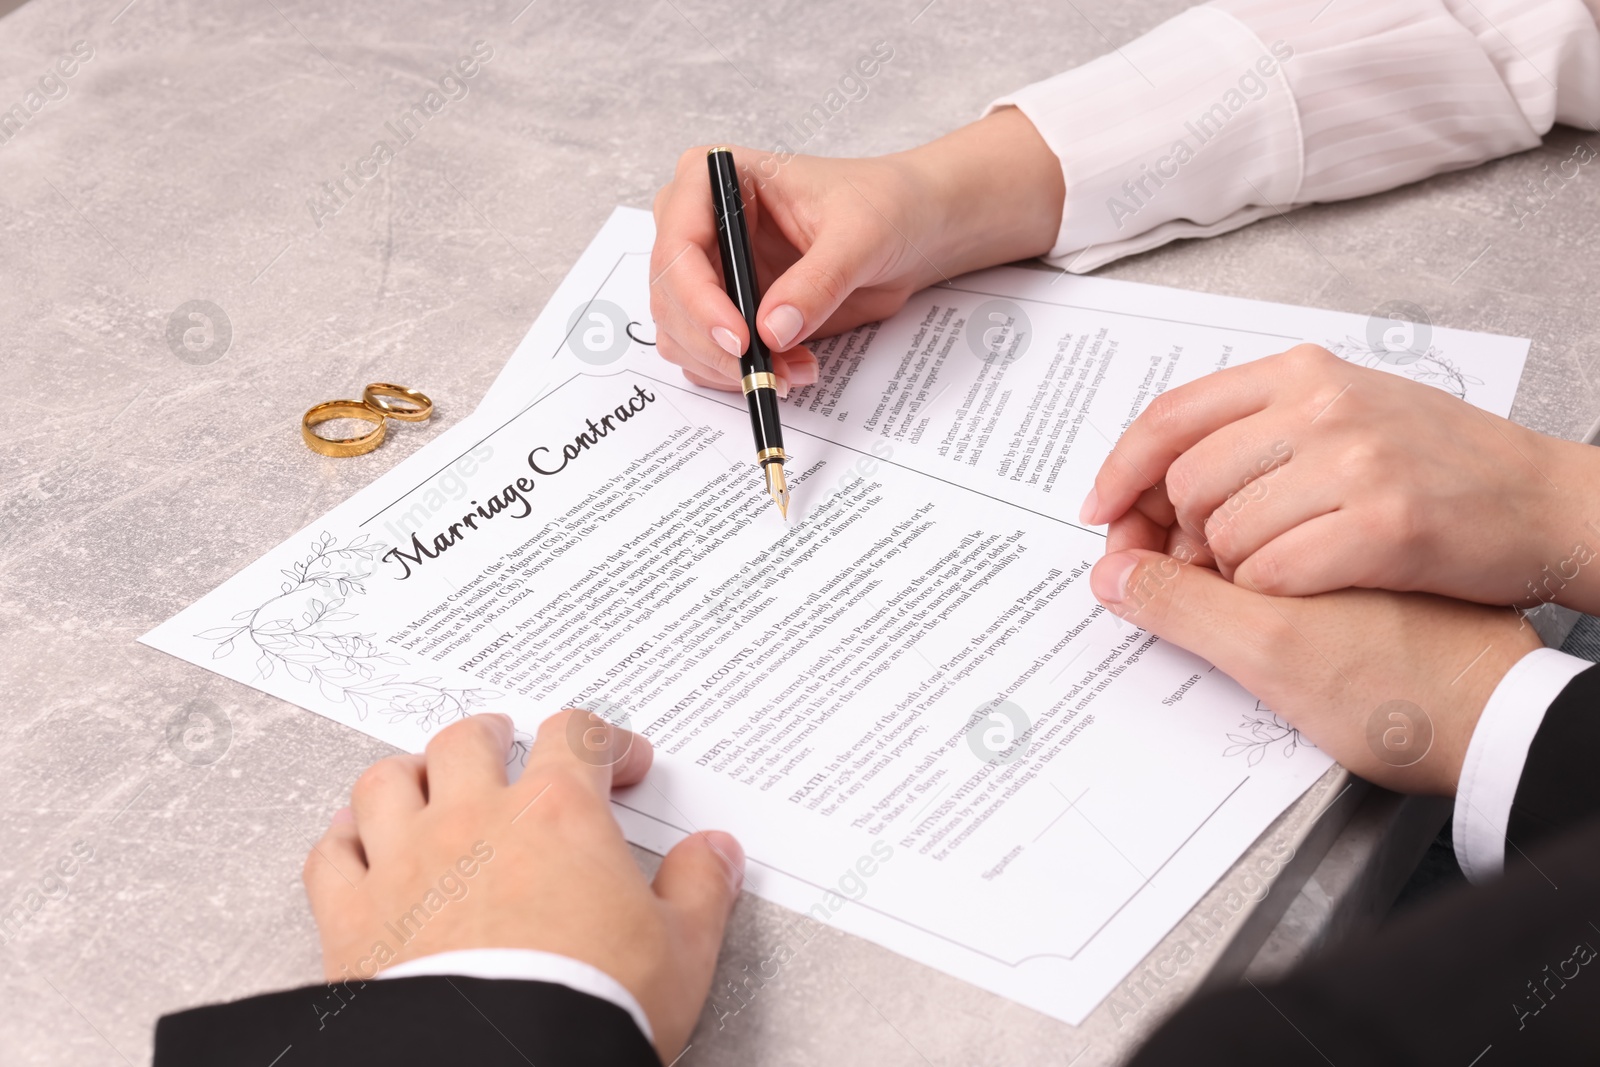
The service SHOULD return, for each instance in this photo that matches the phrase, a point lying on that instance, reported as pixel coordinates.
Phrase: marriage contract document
(905, 702)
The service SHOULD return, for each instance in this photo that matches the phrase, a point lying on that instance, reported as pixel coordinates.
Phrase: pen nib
(777, 488)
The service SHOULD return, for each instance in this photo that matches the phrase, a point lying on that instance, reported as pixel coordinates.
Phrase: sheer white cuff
(1240, 109)
(1188, 131)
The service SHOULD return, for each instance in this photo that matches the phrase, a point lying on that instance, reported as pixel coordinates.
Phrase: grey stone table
(186, 157)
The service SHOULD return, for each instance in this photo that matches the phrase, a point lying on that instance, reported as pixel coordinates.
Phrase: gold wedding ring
(343, 446)
(414, 406)
(377, 405)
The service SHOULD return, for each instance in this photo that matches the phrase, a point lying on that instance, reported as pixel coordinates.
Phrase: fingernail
(727, 846)
(342, 816)
(803, 372)
(783, 386)
(784, 323)
(1090, 512)
(727, 340)
(1109, 579)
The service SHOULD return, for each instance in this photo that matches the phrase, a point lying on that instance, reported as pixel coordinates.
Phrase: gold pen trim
(760, 380)
(767, 454)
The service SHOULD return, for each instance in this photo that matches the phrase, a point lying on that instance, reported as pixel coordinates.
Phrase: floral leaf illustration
(520, 748)
(343, 666)
(1264, 729)
(1431, 367)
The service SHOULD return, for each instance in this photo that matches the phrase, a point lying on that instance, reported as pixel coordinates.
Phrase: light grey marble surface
(179, 165)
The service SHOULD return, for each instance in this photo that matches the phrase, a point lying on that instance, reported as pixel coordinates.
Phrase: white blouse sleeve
(1241, 109)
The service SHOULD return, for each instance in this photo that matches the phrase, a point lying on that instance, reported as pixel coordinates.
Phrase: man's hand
(1389, 684)
(1302, 473)
(540, 865)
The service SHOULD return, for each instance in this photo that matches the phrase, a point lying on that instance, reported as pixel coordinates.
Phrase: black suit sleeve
(1508, 972)
(1559, 784)
(402, 1022)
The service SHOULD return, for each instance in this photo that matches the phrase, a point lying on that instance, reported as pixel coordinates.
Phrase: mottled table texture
(180, 162)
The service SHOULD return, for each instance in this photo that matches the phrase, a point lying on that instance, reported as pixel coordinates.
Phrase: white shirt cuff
(1240, 109)
(1496, 755)
(527, 965)
(1188, 131)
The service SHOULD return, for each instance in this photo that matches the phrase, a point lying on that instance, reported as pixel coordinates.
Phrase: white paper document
(905, 702)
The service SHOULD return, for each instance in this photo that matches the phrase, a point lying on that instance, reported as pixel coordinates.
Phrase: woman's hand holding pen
(1302, 473)
(840, 242)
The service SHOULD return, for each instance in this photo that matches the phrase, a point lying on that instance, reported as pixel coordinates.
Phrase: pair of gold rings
(379, 403)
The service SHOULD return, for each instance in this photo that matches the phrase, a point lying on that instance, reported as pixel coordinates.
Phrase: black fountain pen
(739, 278)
